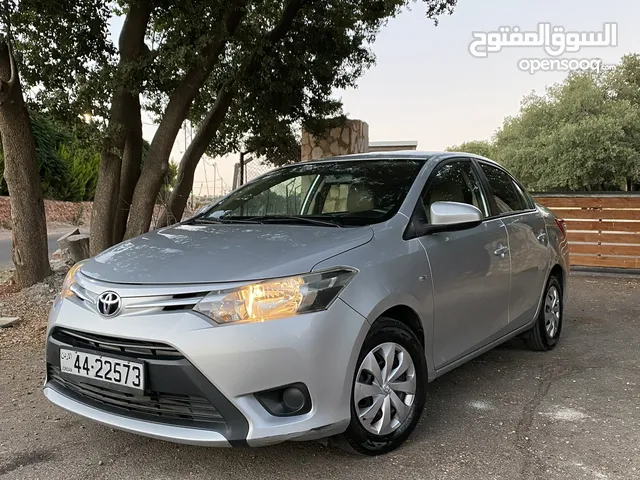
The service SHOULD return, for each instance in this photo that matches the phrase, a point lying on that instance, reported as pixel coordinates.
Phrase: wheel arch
(409, 317)
(559, 272)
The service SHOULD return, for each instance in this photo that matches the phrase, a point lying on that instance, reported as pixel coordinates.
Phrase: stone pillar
(352, 137)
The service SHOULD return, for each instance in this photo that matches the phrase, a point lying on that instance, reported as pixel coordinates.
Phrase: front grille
(166, 408)
(133, 348)
(190, 300)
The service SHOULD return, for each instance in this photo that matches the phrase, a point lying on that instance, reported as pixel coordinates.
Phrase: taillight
(561, 226)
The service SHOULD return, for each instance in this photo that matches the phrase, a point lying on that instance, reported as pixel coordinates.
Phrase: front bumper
(226, 365)
(154, 430)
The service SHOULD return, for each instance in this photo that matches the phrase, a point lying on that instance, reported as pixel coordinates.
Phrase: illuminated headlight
(70, 279)
(277, 298)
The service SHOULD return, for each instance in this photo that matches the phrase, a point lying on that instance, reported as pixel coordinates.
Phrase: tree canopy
(484, 148)
(582, 134)
(248, 73)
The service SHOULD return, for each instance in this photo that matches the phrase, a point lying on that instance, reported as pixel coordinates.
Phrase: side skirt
(486, 348)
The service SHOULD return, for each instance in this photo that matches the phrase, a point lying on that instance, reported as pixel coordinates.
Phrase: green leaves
(64, 52)
(67, 160)
(583, 134)
(68, 62)
(82, 164)
(326, 48)
(477, 147)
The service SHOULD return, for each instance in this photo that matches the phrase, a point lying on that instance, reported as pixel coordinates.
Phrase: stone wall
(352, 137)
(68, 213)
(74, 213)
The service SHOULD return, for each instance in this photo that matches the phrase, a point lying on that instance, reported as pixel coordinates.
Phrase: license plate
(105, 369)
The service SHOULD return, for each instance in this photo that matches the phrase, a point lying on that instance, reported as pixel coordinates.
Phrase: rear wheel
(546, 332)
(388, 390)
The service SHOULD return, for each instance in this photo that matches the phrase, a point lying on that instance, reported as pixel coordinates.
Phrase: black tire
(538, 338)
(356, 439)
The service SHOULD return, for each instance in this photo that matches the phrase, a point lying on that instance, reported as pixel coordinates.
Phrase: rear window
(508, 195)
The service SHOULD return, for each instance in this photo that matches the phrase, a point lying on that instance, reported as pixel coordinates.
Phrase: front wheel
(388, 390)
(544, 335)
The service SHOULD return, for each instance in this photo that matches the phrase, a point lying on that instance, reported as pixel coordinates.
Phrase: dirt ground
(573, 413)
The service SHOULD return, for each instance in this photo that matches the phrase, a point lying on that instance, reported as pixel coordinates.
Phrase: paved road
(573, 413)
(5, 247)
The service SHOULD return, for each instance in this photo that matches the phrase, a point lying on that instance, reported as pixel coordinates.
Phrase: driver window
(455, 182)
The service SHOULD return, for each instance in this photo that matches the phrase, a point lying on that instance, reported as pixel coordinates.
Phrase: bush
(68, 165)
(82, 169)
(49, 136)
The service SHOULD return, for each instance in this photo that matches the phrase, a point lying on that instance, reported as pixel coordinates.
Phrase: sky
(427, 87)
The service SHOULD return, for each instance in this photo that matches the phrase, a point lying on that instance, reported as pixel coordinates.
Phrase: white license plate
(105, 369)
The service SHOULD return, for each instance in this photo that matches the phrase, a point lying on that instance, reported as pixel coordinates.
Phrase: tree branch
(157, 160)
(12, 62)
(7, 86)
(215, 116)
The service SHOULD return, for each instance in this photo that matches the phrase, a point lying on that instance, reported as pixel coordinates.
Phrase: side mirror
(445, 217)
(454, 213)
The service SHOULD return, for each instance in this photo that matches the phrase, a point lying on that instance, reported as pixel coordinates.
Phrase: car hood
(222, 253)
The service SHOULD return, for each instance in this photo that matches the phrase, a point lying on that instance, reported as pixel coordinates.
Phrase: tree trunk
(186, 171)
(215, 117)
(157, 160)
(130, 171)
(132, 48)
(74, 248)
(29, 225)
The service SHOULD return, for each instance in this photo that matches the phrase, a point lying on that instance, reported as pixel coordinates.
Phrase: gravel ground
(573, 413)
(31, 304)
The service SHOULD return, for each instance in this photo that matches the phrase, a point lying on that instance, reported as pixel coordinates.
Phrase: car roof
(426, 156)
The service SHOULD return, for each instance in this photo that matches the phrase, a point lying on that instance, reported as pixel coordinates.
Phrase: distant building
(392, 146)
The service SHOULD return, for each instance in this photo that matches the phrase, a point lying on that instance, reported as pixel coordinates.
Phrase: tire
(542, 336)
(388, 338)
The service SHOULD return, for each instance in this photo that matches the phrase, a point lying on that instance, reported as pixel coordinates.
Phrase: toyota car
(318, 300)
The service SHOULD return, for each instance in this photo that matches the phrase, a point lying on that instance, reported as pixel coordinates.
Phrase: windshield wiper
(296, 218)
(225, 220)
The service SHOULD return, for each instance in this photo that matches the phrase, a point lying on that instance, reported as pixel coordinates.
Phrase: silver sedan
(318, 300)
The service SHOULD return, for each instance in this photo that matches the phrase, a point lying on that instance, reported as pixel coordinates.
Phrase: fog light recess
(286, 401)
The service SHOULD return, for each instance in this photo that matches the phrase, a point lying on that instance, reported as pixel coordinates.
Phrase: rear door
(469, 268)
(528, 242)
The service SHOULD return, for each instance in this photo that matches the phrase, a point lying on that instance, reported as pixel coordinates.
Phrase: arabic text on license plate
(99, 367)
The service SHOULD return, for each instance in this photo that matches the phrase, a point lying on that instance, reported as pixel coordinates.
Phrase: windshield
(325, 194)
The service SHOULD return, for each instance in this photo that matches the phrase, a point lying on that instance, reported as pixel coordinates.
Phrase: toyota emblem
(109, 304)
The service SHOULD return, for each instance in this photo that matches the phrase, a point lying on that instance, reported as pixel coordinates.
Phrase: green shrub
(82, 172)
(68, 166)
(49, 136)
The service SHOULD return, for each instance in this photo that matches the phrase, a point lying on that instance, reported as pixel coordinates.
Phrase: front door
(469, 268)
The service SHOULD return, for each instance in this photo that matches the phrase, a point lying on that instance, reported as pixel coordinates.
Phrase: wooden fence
(603, 230)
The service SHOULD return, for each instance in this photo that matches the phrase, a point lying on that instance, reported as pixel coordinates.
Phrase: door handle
(542, 237)
(501, 250)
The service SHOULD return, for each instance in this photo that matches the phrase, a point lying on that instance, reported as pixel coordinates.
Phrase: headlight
(271, 299)
(70, 279)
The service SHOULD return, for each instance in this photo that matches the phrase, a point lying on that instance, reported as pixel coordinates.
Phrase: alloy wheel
(552, 311)
(385, 388)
